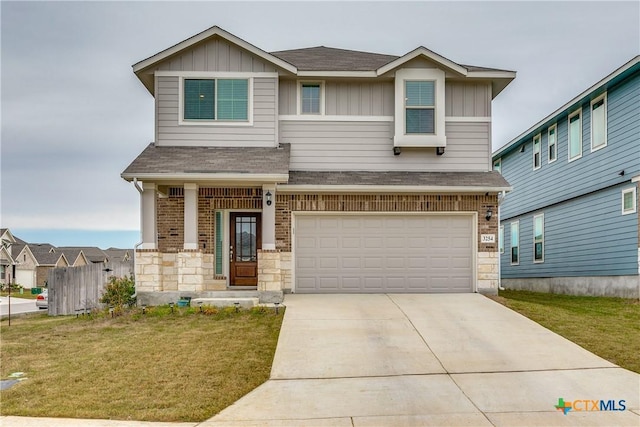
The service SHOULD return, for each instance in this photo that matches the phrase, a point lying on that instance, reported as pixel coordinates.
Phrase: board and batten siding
(583, 237)
(561, 180)
(216, 55)
(349, 98)
(353, 145)
(261, 133)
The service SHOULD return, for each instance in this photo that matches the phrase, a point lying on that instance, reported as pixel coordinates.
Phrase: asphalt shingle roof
(42, 253)
(323, 58)
(92, 253)
(443, 179)
(179, 160)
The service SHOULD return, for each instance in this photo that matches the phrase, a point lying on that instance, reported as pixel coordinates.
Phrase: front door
(243, 251)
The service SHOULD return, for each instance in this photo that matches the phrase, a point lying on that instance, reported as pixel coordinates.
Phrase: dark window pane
(420, 121)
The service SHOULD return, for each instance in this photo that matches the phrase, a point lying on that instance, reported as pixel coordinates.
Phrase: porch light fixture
(397, 151)
(488, 215)
(268, 197)
(439, 151)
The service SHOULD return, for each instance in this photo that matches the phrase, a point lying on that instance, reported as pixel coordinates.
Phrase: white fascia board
(492, 74)
(213, 31)
(370, 74)
(422, 51)
(209, 177)
(568, 105)
(635, 178)
(309, 188)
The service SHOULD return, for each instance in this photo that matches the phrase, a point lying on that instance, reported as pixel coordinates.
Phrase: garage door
(25, 278)
(383, 253)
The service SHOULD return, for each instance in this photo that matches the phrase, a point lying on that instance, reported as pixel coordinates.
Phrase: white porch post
(148, 214)
(190, 216)
(269, 218)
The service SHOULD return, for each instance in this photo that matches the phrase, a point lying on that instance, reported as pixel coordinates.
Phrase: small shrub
(119, 293)
(15, 287)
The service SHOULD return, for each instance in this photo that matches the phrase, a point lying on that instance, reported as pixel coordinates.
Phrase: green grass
(160, 366)
(608, 327)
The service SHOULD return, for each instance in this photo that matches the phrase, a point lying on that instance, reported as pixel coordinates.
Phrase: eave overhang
(210, 178)
(388, 189)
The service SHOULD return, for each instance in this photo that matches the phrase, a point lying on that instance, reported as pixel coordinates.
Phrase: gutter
(501, 198)
(137, 245)
(314, 188)
(203, 176)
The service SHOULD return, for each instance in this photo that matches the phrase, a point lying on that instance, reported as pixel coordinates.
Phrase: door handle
(231, 254)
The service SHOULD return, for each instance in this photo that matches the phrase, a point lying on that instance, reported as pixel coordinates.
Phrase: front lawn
(157, 366)
(608, 327)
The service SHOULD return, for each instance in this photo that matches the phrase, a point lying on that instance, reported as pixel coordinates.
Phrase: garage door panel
(379, 253)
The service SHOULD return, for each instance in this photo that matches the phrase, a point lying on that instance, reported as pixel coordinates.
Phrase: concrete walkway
(416, 360)
(378, 360)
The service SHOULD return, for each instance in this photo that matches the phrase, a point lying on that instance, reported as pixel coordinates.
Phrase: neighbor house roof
(115, 254)
(396, 181)
(595, 90)
(72, 254)
(91, 253)
(222, 163)
(44, 256)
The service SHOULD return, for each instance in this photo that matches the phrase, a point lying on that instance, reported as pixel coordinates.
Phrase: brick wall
(170, 221)
(287, 203)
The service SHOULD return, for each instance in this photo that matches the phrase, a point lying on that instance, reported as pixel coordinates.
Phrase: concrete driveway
(377, 360)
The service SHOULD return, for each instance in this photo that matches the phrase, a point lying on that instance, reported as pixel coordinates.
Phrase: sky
(73, 115)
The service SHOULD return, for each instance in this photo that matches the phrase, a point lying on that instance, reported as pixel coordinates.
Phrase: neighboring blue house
(570, 225)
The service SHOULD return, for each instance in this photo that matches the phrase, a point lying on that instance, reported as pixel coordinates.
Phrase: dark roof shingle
(323, 58)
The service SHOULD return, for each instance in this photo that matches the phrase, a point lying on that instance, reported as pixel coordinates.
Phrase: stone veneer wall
(186, 271)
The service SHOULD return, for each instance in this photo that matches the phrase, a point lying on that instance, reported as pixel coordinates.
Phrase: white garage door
(383, 253)
(25, 278)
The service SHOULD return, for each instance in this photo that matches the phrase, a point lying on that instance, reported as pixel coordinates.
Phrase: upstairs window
(420, 106)
(536, 152)
(629, 201)
(552, 143)
(575, 135)
(310, 98)
(216, 99)
(515, 243)
(599, 122)
(538, 238)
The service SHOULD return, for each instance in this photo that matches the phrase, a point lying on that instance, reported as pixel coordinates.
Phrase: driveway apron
(416, 359)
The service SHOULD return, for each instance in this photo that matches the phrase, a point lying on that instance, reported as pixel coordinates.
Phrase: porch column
(148, 215)
(190, 216)
(269, 218)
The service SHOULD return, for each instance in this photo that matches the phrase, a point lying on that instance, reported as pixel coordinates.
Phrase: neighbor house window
(552, 144)
(216, 99)
(501, 239)
(599, 122)
(497, 165)
(629, 201)
(420, 107)
(515, 243)
(575, 135)
(538, 238)
(536, 152)
(310, 98)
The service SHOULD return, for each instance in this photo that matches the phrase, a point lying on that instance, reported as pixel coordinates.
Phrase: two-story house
(570, 225)
(315, 170)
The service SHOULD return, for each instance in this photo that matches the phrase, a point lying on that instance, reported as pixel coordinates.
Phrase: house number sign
(487, 238)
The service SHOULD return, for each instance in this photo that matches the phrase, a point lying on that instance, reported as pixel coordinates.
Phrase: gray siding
(216, 55)
(587, 236)
(562, 180)
(344, 98)
(323, 145)
(261, 133)
(350, 98)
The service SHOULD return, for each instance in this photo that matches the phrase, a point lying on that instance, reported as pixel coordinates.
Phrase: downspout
(500, 200)
(137, 245)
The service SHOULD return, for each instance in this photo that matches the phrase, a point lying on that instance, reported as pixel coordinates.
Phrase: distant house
(571, 223)
(6, 260)
(33, 262)
(92, 254)
(119, 255)
(75, 256)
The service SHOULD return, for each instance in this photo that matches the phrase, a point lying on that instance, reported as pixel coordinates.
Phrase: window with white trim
(501, 239)
(311, 98)
(215, 100)
(497, 165)
(515, 243)
(599, 122)
(575, 135)
(537, 160)
(419, 108)
(538, 238)
(552, 143)
(629, 201)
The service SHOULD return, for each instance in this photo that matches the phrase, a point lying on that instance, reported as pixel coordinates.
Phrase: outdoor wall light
(621, 173)
(397, 151)
(488, 215)
(268, 197)
(439, 151)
